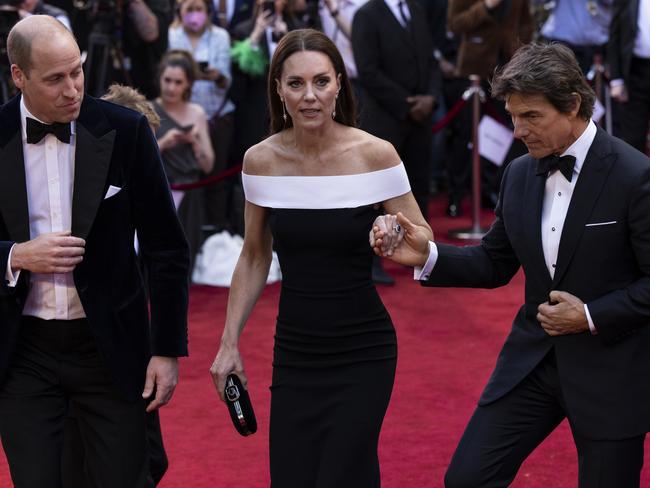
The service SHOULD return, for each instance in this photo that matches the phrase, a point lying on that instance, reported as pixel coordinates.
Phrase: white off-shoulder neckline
(326, 192)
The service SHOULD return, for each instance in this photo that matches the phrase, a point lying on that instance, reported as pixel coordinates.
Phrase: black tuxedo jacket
(114, 146)
(603, 259)
(393, 63)
(622, 34)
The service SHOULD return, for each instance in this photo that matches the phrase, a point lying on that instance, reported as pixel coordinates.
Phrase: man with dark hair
(79, 177)
(575, 214)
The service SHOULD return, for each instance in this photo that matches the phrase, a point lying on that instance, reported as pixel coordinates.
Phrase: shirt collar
(24, 113)
(581, 145)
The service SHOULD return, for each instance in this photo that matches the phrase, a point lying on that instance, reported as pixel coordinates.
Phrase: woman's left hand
(391, 232)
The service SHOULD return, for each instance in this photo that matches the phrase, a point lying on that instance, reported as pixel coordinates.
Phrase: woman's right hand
(264, 19)
(226, 362)
(172, 138)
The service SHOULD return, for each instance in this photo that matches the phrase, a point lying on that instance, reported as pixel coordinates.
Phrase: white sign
(494, 140)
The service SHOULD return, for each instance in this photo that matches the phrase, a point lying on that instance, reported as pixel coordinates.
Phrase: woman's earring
(284, 111)
(336, 97)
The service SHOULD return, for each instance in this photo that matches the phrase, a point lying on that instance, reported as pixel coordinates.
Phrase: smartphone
(186, 128)
(269, 6)
(203, 66)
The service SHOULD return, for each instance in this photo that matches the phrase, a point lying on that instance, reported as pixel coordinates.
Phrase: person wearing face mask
(210, 46)
(335, 346)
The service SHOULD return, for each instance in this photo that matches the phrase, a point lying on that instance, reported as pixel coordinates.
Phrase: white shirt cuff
(423, 273)
(592, 327)
(11, 278)
(616, 82)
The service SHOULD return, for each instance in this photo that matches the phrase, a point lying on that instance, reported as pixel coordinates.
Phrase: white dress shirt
(642, 41)
(557, 197)
(49, 176)
(393, 5)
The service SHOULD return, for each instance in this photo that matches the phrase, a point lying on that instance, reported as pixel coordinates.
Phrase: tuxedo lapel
(532, 205)
(13, 187)
(92, 161)
(593, 176)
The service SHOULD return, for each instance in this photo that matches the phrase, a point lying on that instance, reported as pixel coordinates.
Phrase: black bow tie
(550, 163)
(37, 130)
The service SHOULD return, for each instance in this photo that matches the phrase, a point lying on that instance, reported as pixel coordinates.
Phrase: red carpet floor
(448, 342)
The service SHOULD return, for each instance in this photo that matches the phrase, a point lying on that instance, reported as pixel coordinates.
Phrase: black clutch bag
(239, 406)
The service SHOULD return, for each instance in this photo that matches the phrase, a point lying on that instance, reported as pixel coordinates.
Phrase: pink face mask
(194, 21)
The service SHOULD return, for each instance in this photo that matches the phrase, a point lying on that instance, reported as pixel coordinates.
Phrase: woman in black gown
(313, 190)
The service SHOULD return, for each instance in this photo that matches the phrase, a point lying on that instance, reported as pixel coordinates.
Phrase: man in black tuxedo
(628, 55)
(575, 214)
(79, 177)
(393, 51)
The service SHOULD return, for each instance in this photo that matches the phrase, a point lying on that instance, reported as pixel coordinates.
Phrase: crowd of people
(408, 62)
(329, 108)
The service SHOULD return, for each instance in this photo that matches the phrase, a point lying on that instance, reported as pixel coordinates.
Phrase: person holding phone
(210, 46)
(183, 139)
(335, 347)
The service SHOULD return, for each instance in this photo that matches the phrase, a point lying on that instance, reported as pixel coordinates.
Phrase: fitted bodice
(329, 311)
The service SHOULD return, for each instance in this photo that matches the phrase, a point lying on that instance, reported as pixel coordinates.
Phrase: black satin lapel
(593, 176)
(533, 201)
(13, 189)
(92, 160)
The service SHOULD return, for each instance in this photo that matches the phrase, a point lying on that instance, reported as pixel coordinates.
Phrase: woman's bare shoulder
(376, 153)
(260, 159)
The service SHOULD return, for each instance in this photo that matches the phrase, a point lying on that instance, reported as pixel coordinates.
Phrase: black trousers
(73, 462)
(56, 366)
(635, 113)
(501, 435)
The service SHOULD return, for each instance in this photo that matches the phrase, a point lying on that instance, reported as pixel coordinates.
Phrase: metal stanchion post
(476, 232)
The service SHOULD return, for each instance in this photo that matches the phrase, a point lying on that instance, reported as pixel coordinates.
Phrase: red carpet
(448, 342)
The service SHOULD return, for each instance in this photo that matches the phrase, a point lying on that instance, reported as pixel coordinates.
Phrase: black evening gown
(335, 346)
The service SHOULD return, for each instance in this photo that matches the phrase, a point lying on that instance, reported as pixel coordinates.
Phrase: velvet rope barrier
(211, 180)
(449, 116)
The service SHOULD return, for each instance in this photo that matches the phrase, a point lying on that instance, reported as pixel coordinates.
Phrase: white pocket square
(595, 224)
(112, 191)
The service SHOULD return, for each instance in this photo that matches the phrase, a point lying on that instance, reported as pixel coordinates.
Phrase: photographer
(135, 32)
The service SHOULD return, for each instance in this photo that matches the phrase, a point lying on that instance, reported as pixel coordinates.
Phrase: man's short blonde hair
(131, 98)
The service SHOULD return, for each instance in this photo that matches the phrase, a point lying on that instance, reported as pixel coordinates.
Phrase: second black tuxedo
(114, 147)
(393, 63)
(635, 71)
(603, 259)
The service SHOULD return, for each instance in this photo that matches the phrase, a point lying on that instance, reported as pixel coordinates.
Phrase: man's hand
(162, 375)
(57, 252)
(421, 107)
(565, 314)
(490, 4)
(413, 250)
(392, 233)
(619, 93)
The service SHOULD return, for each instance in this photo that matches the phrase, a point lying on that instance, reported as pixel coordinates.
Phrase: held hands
(227, 361)
(392, 233)
(162, 376)
(411, 250)
(56, 252)
(565, 314)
